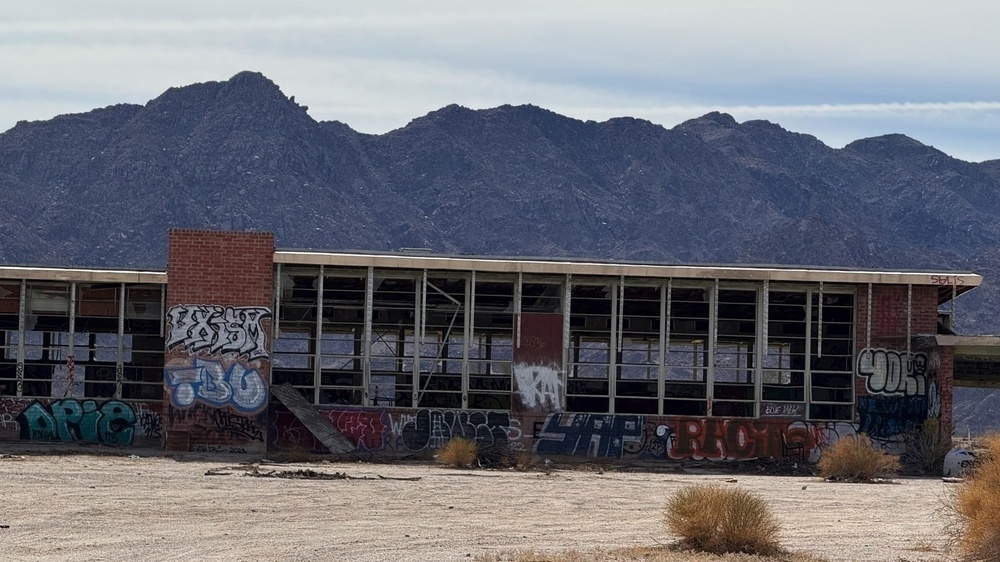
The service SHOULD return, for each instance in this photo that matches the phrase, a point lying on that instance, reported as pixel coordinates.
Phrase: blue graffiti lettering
(210, 382)
(111, 423)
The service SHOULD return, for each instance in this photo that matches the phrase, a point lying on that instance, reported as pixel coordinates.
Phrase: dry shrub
(926, 448)
(856, 460)
(977, 505)
(714, 519)
(458, 452)
(524, 460)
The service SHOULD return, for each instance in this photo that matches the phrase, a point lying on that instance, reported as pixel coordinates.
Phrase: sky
(840, 71)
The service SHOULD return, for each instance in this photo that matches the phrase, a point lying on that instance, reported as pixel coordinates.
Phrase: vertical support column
(664, 345)
(819, 323)
(19, 373)
(909, 324)
(517, 310)
(868, 321)
(567, 303)
(366, 351)
(762, 349)
(418, 335)
(276, 323)
(120, 359)
(713, 345)
(470, 304)
(615, 346)
(318, 338)
(71, 348)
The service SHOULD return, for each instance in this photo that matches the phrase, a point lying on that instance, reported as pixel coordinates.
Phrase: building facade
(402, 352)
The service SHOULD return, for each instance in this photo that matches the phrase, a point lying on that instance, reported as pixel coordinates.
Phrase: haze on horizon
(838, 71)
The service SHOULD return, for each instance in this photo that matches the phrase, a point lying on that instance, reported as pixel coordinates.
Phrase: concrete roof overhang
(949, 283)
(82, 275)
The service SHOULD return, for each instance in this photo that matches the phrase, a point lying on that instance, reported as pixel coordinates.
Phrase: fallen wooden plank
(311, 418)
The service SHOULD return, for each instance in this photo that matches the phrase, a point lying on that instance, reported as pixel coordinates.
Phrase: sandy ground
(107, 505)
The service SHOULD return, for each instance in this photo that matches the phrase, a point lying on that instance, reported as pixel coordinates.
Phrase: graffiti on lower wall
(109, 422)
(73, 420)
(400, 431)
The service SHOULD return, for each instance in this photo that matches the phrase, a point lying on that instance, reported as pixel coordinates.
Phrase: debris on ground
(9, 457)
(309, 474)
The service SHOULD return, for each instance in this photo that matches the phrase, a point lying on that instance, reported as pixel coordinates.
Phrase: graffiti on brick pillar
(539, 386)
(217, 383)
(933, 400)
(235, 426)
(893, 373)
(218, 329)
(431, 429)
(885, 417)
(595, 435)
(112, 422)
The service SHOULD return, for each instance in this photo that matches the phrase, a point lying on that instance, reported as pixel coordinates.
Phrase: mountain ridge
(101, 188)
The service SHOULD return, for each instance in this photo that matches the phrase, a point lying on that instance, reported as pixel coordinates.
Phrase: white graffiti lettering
(539, 386)
(891, 372)
(218, 329)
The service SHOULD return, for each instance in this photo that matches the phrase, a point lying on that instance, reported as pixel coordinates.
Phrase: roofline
(962, 280)
(83, 275)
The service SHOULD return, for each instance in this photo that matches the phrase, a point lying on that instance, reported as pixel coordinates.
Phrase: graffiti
(933, 401)
(431, 429)
(782, 409)
(218, 329)
(595, 435)
(533, 341)
(225, 449)
(236, 426)
(10, 408)
(210, 382)
(538, 385)
(366, 429)
(893, 373)
(149, 421)
(886, 417)
(722, 439)
(70, 419)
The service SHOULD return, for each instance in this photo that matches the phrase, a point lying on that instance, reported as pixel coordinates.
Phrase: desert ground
(110, 504)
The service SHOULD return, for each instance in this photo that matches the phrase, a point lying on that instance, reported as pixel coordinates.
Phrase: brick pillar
(896, 391)
(217, 366)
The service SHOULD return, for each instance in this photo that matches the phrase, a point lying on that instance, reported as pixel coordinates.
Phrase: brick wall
(897, 391)
(217, 367)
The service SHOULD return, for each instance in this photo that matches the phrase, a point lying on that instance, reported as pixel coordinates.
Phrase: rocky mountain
(102, 188)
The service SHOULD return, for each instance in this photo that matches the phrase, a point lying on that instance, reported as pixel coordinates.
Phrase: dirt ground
(107, 504)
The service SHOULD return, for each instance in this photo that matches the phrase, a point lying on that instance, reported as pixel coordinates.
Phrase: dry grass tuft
(977, 505)
(714, 519)
(926, 448)
(856, 460)
(457, 452)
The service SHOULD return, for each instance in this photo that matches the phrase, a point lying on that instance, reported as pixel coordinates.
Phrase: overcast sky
(839, 70)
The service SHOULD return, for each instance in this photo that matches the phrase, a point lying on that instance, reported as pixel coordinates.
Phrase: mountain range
(101, 189)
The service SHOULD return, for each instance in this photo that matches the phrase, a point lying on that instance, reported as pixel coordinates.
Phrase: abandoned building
(397, 353)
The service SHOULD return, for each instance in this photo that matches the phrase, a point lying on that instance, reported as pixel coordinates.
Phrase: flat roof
(961, 280)
(83, 275)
